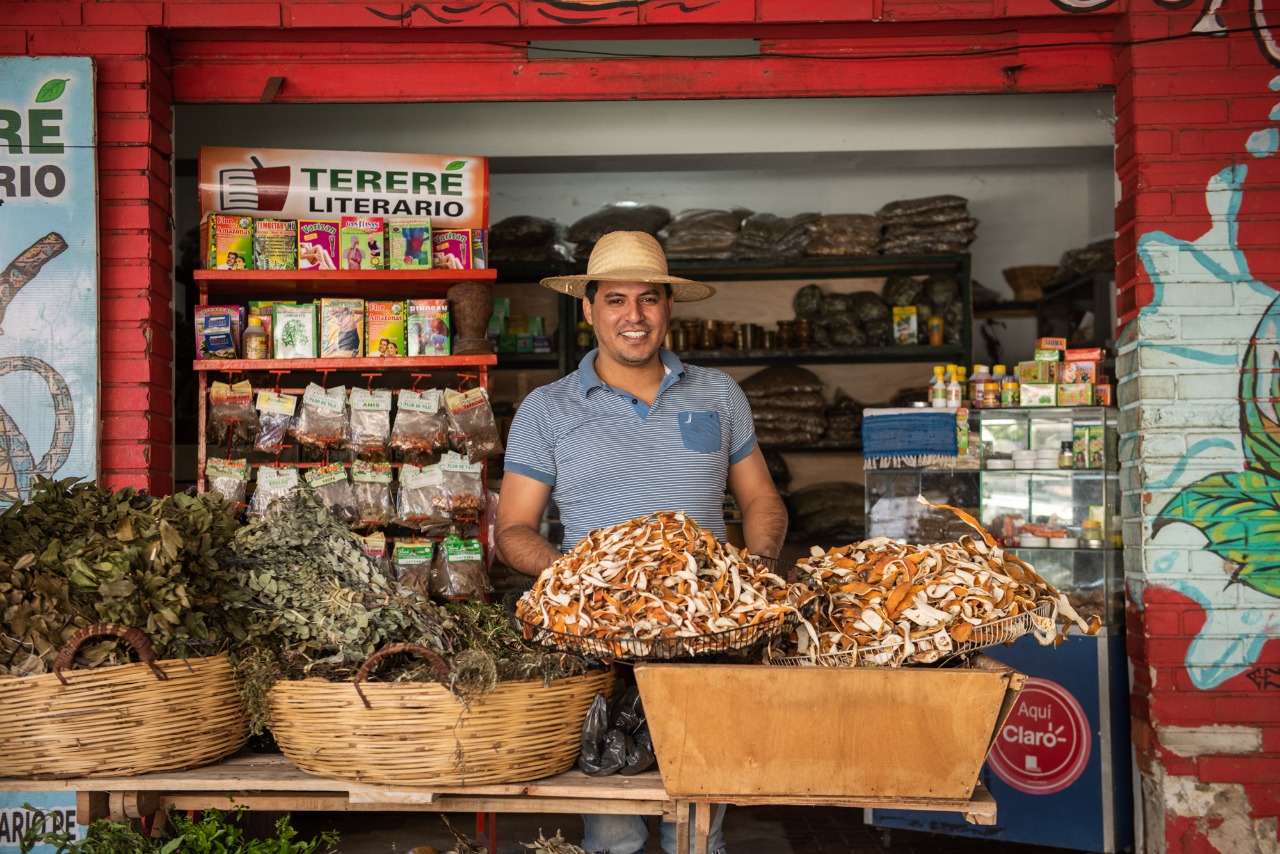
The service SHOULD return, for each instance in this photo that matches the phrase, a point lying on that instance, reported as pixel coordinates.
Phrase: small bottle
(938, 389)
(1066, 456)
(981, 374)
(1009, 392)
(955, 389)
(998, 376)
(254, 339)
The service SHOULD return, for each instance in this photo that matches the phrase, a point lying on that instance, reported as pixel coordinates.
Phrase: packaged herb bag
(471, 416)
(228, 478)
(275, 483)
(412, 562)
(371, 483)
(423, 502)
(422, 424)
(370, 419)
(231, 415)
(275, 414)
(323, 419)
(463, 486)
(463, 575)
(374, 547)
(334, 489)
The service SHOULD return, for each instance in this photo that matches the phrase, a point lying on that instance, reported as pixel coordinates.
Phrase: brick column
(1196, 224)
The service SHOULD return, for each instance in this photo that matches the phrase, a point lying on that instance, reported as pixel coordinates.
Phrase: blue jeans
(627, 834)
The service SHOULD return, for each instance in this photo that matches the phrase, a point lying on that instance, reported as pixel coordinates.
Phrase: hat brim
(682, 290)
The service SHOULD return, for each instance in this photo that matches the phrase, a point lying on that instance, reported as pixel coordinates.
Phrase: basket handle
(442, 669)
(136, 640)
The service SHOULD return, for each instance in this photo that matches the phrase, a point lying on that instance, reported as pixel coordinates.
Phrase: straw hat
(629, 256)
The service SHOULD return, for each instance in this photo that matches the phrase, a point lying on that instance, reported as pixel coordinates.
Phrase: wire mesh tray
(1003, 630)
(738, 640)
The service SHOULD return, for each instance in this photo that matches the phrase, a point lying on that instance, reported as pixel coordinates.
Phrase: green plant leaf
(1239, 512)
(52, 90)
(455, 166)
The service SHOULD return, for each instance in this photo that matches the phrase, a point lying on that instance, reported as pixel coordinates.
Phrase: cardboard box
(1104, 394)
(1043, 355)
(1035, 372)
(261, 309)
(384, 329)
(428, 327)
(275, 244)
(904, 325)
(951, 715)
(1051, 344)
(341, 328)
(1038, 394)
(226, 242)
(409, 239)
(451, 250)
(1084, 354)
(1080, 446)
(361, 241)
(1075, 394)
(217, 331)
(293, 330)
(479, 248)
(1097, 440)
(317, 244)
(1077, 372)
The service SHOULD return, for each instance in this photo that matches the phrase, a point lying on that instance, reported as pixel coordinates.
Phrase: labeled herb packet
(323, 419)
(228, 478)
(275, 414)
(421, 425)
(412, 562)
(463, 575)
(275, 484)
(370, 418)
(463, 485)
(331, 484)
(371, 483)
(472, 418)
(422, 503)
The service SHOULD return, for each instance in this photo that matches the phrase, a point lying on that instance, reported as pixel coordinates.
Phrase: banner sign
(49, 278)
(50, 812)
(307, 185)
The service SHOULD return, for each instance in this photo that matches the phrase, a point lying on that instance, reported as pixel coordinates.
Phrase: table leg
(683, 809)
(702, 827)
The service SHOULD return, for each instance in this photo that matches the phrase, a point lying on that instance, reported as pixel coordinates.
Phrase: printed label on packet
(459, 549)
(278, 477)
(413, 477)
(414, 552)
(325, 475)
(461, 401)
(371, 472)
(270, 401)
(241, 392)
(378, 400)
(237, 469)
(421, 401)
(453, 461)
(331, 400)
(374, 545)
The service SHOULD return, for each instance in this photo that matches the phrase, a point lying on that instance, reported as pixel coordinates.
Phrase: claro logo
(1046, 741)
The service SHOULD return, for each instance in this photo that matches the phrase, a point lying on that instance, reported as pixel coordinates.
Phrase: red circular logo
(1045, 742)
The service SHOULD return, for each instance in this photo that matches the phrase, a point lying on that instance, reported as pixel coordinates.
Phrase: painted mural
(49, 283)
(1218, 540)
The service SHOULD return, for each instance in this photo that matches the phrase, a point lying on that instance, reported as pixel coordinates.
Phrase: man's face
(630, 320)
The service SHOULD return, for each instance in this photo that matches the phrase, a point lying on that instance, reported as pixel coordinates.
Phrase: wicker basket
(420, 734)
(1029, 281)
(123, 720)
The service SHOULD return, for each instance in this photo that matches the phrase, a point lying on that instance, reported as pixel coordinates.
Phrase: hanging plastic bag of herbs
(412, 563)
(275, 414)
(423, 502)
(323, 419)
(422, 425)
(331, 483)
(374, 547)
(463, 575)
(275, 484)
(228, 478)
(370, 420)
(463, 485)
(371, 483)
(472, 417)
(231, 415)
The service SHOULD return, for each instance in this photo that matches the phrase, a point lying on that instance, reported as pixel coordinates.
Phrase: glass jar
(1066, 456)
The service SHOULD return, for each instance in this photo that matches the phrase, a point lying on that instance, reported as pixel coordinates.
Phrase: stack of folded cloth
(937, 224)
(526, 238)
(766, 235)
(846, 235)
(701, 233)
(787, 406)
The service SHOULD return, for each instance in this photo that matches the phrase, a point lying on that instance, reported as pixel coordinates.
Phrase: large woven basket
(122, 720)
(420, 734)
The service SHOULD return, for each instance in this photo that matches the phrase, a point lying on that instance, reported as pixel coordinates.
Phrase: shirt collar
(587, 376)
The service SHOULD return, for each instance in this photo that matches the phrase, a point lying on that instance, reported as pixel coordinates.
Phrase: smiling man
(631, 432)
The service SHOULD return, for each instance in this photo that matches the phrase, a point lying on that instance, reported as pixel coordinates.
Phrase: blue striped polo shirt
(609, 457)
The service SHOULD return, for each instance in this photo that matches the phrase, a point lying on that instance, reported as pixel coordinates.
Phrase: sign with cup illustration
(452, 190)
(49, 278)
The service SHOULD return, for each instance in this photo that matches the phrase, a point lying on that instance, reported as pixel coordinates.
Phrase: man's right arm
(520, 507)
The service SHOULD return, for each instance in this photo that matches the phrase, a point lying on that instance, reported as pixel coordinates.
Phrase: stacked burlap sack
(622, 216)
(766, 236)
(526, 239)
(787, 406)
(935, 224)
(845, 235)
(702, 234)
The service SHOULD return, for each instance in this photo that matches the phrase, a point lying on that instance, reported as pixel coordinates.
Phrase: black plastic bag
(599, 757)
(617, 743)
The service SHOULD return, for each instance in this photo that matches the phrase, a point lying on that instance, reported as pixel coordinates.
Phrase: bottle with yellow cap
(253, 342)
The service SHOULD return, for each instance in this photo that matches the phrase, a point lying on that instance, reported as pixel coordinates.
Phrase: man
(632, 431)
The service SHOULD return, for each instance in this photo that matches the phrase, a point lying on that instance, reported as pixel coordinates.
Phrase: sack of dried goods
(888, 603)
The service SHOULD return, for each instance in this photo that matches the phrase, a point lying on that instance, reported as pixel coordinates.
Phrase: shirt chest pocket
(700, 431)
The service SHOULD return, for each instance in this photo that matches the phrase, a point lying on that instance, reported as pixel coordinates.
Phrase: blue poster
(48, 273)
(55, 812)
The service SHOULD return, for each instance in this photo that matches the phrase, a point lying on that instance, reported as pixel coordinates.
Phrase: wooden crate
(750, 731)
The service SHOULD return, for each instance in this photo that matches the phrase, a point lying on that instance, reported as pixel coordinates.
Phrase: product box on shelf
(275, 244)
(226, 242)
(1079, 446)
(218, 331)
(479, 248)
(1104, 394)
(293, 330)
(1097, 442)
(362, 240)
(1035, 372)
(317, 244)
(1075, 394)
(341, 327)
(409, 239)
(261, 308)
(384, 328)
(451, 250)
(1038, 394)
(1077, 372)
(1084, 354)
(1048, 355)
(1051, 343)
(904, 325)
(428, 327)
(498, 318)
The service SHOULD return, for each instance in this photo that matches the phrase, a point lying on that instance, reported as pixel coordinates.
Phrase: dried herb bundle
(78, 554)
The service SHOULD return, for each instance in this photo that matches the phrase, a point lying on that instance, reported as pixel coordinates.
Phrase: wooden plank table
(272, 782)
